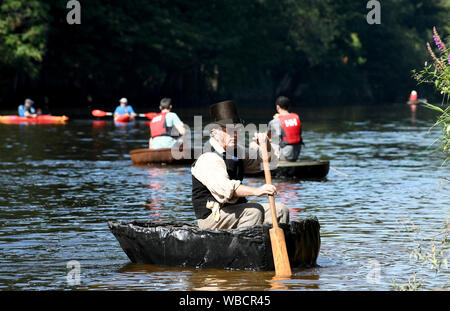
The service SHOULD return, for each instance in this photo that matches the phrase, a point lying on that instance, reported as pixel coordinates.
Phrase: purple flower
(437, 62)
(448, 58)
(437, 39)
(438, 42)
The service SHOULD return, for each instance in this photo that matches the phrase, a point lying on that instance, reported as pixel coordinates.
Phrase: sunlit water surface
(60, 184)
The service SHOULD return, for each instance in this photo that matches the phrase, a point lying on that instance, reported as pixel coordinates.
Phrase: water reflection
(298, 281)
(99, 125)
(139, 276)
(413, 108)
(124, 125)
(155, 200)
(279, 283)
(290, 194)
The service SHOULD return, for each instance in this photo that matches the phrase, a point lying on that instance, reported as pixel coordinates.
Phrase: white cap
(123, 100)
(413, 92)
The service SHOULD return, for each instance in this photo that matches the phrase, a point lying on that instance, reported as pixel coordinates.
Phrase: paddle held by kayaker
(26, 110)
(218, 194)
(124, 109)
(166, 127)
(286, 130)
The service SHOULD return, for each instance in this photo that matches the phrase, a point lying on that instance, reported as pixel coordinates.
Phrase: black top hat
(224, 113)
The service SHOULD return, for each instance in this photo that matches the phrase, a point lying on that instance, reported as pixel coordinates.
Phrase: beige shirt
(210, 169)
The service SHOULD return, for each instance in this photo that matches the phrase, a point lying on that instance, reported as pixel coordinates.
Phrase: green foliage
(436, 255)
(315, 51)
(438, 74)
(412, 284)
(23, 34)
(430, 251)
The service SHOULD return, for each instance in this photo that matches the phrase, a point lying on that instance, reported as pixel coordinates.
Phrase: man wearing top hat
(218, 194)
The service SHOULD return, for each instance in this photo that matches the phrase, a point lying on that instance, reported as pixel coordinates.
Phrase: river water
(60, 184)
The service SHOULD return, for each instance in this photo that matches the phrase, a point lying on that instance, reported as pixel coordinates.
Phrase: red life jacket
(413, 97)
(292, 128)
(158, 125)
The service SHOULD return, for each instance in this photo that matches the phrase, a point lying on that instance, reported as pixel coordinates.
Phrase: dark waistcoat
(201, 194)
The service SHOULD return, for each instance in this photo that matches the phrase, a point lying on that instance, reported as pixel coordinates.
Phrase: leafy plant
(438, 73)
(431, 251)
(23, 38)
(411, 285)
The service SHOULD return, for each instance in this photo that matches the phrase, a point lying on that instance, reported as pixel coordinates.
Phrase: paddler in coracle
(286, 128)
(165, 127)
(218, 194)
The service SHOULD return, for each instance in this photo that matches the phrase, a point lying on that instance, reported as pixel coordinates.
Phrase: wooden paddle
(277, 239)
(101, 113)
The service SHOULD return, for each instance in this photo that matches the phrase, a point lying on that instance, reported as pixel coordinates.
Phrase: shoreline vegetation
(438, 74)
(433, 251)
(315, 52)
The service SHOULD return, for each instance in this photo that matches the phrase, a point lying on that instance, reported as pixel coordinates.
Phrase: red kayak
(42, 119)
(123, 118)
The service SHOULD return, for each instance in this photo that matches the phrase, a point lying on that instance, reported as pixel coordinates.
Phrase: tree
(23, 27)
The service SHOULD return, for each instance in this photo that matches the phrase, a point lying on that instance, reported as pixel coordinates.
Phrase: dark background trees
(315, 51)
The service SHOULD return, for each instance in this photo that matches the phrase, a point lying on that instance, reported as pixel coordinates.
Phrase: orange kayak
(123, 118)
(42, 119)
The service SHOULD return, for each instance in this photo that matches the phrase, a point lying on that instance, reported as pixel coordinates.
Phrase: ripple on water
(384, 191)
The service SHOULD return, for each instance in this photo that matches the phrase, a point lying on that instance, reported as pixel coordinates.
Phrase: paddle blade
(279, 252)
(150, 115)
(99, 113)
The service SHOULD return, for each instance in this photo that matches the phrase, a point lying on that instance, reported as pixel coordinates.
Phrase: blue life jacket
(22, 110)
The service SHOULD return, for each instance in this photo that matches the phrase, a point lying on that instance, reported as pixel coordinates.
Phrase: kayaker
(26, 110)
(286, 130)
(218, 194)
(165, 127)
(124, 108)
